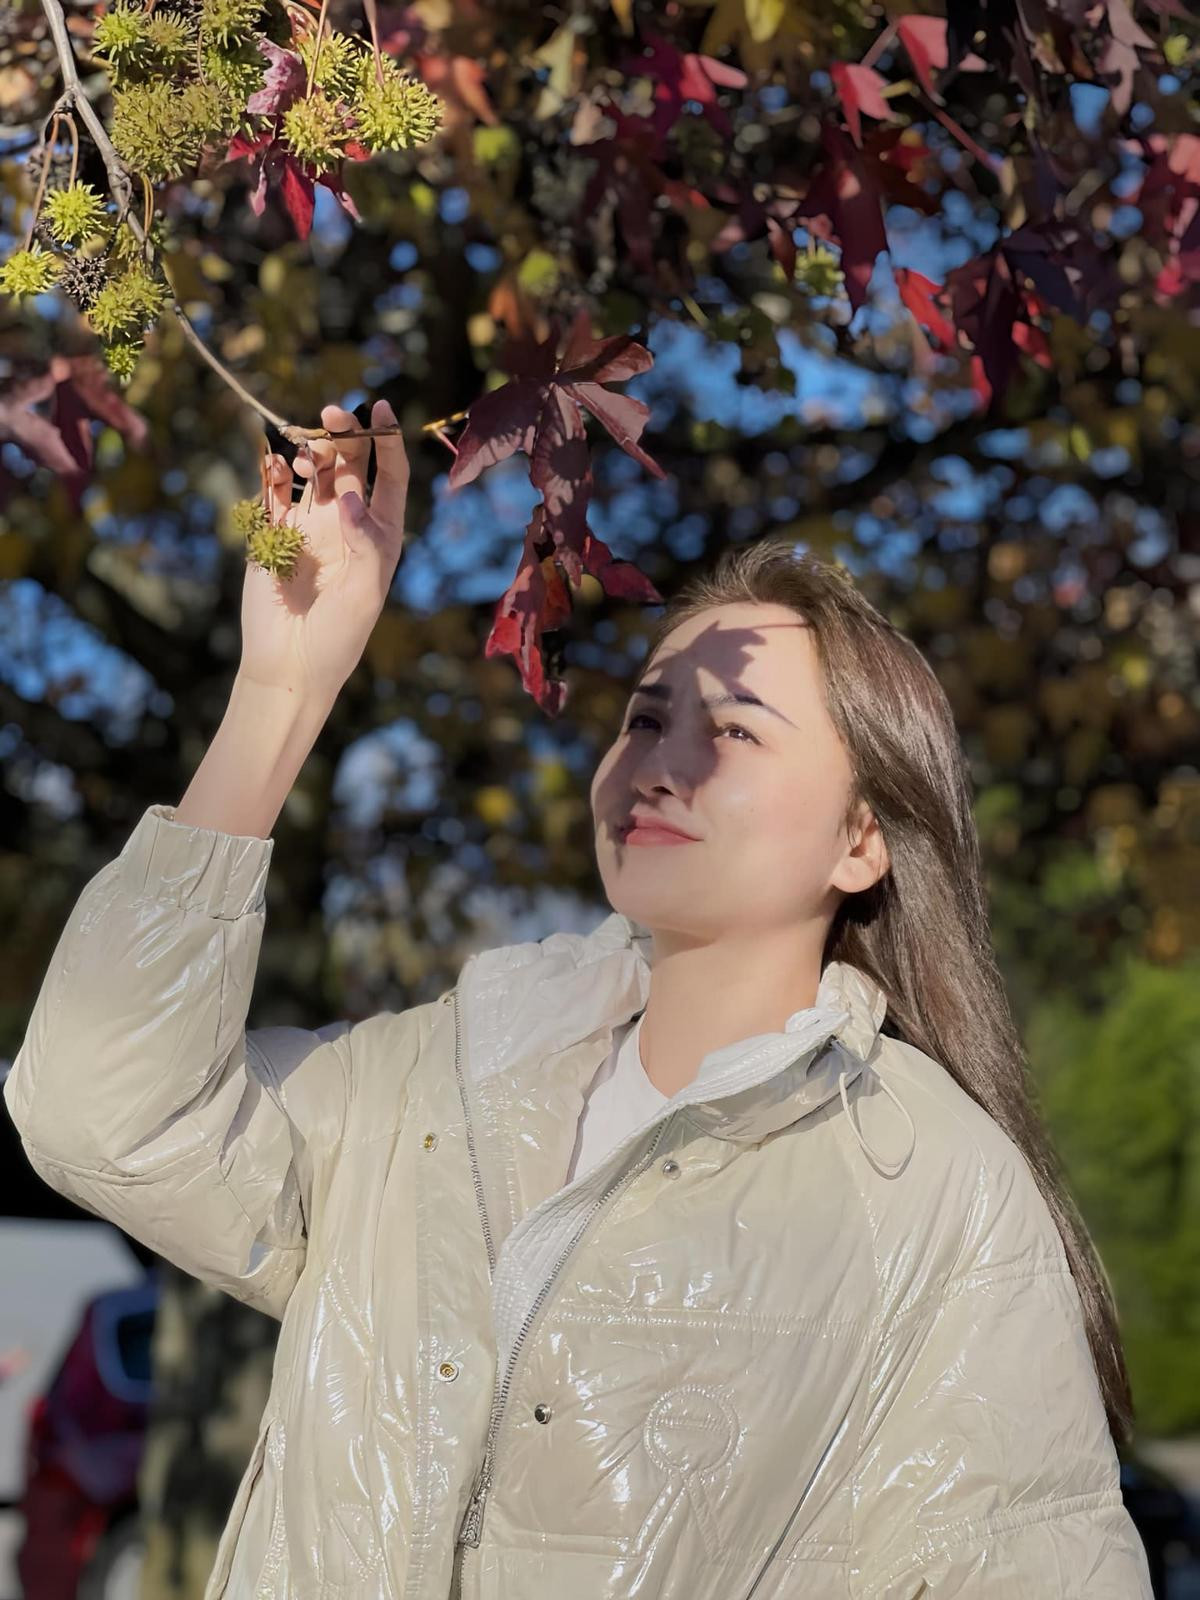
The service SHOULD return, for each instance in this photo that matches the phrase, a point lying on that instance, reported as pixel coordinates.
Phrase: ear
(866, 859)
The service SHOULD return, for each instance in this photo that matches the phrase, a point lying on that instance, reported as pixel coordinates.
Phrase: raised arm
(137, 1090)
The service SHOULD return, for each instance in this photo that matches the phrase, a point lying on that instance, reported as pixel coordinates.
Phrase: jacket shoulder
(967, 1194)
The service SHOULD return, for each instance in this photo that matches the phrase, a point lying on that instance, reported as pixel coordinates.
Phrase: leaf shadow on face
(671, 765)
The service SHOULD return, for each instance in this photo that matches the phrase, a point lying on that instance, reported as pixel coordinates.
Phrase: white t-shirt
(619, 1099)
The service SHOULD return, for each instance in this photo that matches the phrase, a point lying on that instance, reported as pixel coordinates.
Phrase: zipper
(471, 1526)
(475, 1175)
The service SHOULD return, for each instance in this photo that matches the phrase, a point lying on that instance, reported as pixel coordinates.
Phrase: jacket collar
(525, 1004)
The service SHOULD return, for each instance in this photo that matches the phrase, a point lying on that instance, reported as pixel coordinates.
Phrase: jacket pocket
(685, 1436)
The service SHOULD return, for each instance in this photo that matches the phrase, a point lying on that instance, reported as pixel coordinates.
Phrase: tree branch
(74, 98)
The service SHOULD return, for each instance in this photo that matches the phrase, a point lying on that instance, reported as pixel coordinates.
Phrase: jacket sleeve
(139, 1094)
(987, 1468)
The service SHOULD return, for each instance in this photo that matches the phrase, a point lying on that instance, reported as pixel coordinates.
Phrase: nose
(662, 769)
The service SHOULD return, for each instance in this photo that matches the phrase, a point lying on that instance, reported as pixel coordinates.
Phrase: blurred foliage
(1121, 1091)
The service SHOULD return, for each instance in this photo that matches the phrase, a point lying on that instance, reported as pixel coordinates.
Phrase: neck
(704, 996)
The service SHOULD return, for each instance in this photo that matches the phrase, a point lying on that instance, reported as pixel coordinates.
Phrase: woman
(717, 1253)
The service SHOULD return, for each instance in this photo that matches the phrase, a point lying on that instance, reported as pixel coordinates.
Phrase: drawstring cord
(891, 1169)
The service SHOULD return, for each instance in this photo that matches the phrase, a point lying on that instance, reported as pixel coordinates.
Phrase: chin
(666, 906)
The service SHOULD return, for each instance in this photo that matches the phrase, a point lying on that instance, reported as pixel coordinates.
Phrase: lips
(648, 828)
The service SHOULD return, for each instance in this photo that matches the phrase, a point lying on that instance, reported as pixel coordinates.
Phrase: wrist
(285, 705)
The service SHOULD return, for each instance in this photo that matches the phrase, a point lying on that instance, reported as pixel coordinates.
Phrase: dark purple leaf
(498, 424)
(285, 81)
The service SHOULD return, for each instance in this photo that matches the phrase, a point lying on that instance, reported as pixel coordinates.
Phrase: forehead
(757, 646)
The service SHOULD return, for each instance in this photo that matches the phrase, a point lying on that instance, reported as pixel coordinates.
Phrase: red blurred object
(85, 1439)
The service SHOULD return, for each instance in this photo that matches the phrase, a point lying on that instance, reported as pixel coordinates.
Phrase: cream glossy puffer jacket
(809, 1334)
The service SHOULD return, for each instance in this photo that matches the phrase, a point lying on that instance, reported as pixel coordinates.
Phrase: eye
(728, 727)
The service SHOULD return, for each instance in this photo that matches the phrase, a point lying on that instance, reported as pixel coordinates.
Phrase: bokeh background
(1037, 538)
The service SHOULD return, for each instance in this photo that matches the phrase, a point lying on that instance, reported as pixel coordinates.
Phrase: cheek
(596, 794)
(782, 818)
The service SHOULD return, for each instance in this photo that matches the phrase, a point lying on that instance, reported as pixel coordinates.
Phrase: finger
(277, 487)
(373, 556)
(390, 494)
(318, 473)
(351, 455)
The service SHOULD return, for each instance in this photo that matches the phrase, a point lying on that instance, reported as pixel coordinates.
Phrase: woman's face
(762, 786)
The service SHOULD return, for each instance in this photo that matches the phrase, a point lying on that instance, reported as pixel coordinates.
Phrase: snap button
(542, 1413)
(670, 1167)
(448, 1370)
(430, 1141)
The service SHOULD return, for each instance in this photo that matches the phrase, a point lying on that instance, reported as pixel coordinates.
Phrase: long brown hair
(922, 931)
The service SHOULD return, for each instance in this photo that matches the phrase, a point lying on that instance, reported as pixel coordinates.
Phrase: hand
(307, 633)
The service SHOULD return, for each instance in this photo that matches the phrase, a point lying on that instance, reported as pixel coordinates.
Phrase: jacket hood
(535, 1001)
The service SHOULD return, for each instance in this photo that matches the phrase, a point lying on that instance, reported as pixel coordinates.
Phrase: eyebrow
(661, 691)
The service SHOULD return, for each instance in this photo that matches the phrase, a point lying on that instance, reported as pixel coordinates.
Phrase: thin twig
(47, 157)
(73, 98)
(992, 163)
(879, 46)
(317, 43)
(373, 25)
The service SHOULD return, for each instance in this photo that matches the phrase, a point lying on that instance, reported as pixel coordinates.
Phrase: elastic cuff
(201, 869)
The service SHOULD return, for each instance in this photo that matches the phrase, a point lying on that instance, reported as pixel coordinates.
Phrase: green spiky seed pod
(119, 36)
(206, 109)
(170, 36)
(76, 213)
(818, 272)
(339, 63)
(29, 272)
(125, 246)
(396, 113)
(152, 132)
(239, 71)
(127, 304)
(122, 359)
(274, 546)
(226, 22)
(315, 130)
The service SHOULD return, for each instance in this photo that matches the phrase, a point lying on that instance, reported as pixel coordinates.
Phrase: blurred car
(87, 1430)
(1167, 1519)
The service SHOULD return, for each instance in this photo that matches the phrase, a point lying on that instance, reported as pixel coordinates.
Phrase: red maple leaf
(540, 411)
(295, 178)
(924, 38)
(679, 78)
(514, 416)
(80, 392)
(919, 294)
(462, 85)
(845, 197)
(284, 83)
(538, 601)
(860, 89)
(535, 601)
(995, 309)
(627, 170)
(1169, 200)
